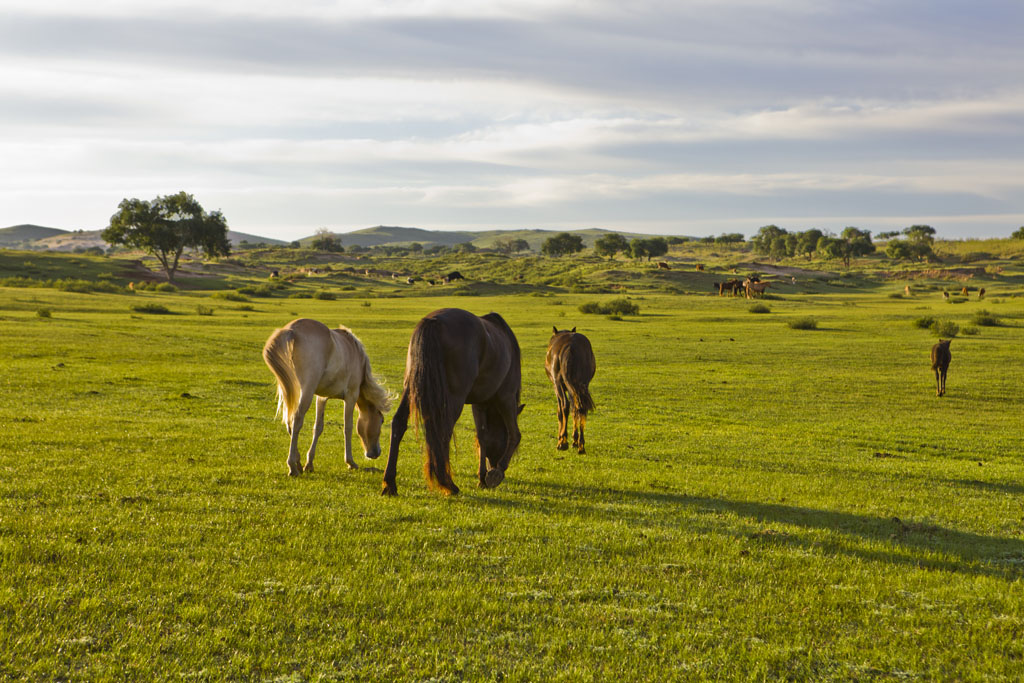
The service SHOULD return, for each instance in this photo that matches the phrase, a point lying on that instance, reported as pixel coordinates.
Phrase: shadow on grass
(911, 543)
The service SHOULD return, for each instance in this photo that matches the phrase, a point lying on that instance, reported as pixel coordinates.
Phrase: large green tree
(562, 243)
(611, 244)
(166, 226)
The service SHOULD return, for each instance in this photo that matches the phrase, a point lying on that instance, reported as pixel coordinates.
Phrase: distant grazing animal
(732, 286)
(664, 266)
(570, 365)
(131, 286)
(310, 360)
(411, 280)
(452, 277)
(940, 363)
(755, 289)
(963, 291)
(274, 273)
(455, 358)
(430, 282)
(906, 290)
(945, 295)
(700, 267)
(981, 293)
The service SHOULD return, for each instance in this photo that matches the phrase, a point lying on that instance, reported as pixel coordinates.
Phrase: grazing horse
(906, 290)
(940, 363)
(964, 292)
(664, 266)
(700, 267)
(456, 358)
(732, 286)
(754, 289)
(310, 360)
(981, 293)
(570, 366)
(945, 295)
(452, 277)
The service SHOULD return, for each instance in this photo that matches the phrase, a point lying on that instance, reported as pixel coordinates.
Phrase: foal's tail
(582, 402)
(277, 353)
(578, 371)
(429, 400)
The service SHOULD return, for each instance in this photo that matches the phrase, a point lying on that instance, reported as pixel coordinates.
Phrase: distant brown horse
(456, 358)
(570, 366)
(754, 289)
(940, 363)
(311, 361)
(700, 267)
(981, 293)
(964, 291)
(732, 286)
(664, 266)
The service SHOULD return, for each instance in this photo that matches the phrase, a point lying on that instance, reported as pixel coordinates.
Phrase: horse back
(941, 355)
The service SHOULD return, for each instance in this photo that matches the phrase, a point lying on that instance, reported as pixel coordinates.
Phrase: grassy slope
(757, 501)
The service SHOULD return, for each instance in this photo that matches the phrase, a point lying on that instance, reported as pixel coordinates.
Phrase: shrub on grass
(155, 309)
(945, 328)
(984, 318)
(203, 310)
(613, 307)
(759, 308)
(301, 295)
(970, 330)
(43, 313)
(230, 296)
(264, 290)
(924, 323)
(803, 324)
(165, 287)
(324, 295)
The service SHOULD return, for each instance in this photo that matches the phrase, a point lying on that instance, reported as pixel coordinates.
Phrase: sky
(677, 117)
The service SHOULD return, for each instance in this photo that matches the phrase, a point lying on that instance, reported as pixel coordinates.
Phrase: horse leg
(399, 423)
(563, 417)
(296, 426)
(350, 407)
(318, 429)
(480, 420)
(943, 382)
(938, 383)
(579, 422)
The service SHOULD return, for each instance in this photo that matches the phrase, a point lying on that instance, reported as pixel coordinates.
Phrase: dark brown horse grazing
(456, 358)
(940, 363)
(570, 366)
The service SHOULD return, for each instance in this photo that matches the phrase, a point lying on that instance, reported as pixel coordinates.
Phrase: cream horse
(310, 360)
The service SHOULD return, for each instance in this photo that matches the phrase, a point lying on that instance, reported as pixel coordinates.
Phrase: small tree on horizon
(611, 244)
(325, 240)
(562, 243)
(166, 226)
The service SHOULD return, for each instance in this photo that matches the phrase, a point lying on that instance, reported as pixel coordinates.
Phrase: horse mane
(371, 388)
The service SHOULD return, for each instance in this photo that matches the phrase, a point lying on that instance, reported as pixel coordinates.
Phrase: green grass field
(758, 502)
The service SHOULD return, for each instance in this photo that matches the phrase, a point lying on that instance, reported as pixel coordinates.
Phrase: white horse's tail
(278, 355)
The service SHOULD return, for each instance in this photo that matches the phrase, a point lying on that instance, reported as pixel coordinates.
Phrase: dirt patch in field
(787, 271)
(958, 274)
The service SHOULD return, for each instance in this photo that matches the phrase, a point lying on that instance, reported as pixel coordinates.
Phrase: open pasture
(756, 502)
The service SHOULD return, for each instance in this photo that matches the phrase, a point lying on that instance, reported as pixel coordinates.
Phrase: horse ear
(574, 329)
(521, 406)
(554, 329)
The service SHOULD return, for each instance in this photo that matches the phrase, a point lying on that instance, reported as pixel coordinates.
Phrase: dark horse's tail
(429, 400)
(577, 373)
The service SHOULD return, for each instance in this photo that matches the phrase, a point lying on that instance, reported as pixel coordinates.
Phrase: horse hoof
(294, 472)
(307, 468)
(389, 490)
(562, 447)
(494, 478)
(581, 450)
(352, 466)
